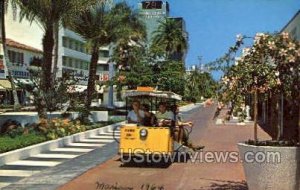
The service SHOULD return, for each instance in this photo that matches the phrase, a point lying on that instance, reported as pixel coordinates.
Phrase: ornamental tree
(271, 65)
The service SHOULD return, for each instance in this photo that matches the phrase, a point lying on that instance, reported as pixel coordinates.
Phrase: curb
(29, 151)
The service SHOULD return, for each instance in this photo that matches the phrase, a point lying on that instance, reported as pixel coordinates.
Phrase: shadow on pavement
(178, 157)
(145, 164)
(226, 185)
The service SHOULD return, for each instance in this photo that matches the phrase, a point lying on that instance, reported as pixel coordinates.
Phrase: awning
(82, 88)
(23, 81)
(5, 84)
(76, 88)
(159, 94)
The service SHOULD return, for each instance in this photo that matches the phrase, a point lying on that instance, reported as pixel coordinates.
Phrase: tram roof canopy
(148, 91)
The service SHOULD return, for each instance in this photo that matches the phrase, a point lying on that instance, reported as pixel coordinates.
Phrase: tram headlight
(143, 133)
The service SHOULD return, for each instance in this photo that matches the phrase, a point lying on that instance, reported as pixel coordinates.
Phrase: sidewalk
(191, 175)
(221, 139)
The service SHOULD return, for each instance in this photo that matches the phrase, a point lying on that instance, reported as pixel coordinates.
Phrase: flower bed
(16, 137)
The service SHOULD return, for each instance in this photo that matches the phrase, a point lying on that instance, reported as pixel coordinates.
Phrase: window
(65, 42)
(81, 48)
(70, 62)
(77, 63)
(103, 67)
(103, 53)
(64, 61)
(16, 57)
(87, 65)
(74, 44)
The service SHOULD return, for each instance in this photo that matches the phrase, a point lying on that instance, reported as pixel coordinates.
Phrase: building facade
(73, 55)
(293, 27)
(20, 57)
(152, 13)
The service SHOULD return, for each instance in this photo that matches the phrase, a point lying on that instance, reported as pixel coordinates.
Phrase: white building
(293, 27)
(20, 56)
(72, 52)
(73, 55)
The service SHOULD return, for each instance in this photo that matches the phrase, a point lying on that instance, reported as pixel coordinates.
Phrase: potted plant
(270, 67)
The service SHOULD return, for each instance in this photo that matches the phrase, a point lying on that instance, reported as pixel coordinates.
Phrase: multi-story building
(152, 13)
(180, 55)
(25, 41)
(293, 27)
(73, 55)
(20, 57)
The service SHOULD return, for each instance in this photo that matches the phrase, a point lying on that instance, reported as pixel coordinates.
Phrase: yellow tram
(148, 140)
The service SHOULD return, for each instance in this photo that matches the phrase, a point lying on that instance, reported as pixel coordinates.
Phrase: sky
(213, 24)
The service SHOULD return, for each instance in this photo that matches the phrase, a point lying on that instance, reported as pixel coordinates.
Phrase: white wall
(293, 28)
(27, 59)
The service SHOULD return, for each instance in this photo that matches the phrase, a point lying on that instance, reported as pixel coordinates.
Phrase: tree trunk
(56, 45)
(46, 76)
(255, 115)
(92, 75)
(48, 46)
(279, 112)
(6, 59)
(298, 94)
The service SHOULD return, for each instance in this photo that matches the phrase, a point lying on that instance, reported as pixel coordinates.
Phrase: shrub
(56, 128)
(11, 128)
(8, 143)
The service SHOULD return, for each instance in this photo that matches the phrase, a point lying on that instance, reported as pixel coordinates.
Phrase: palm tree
(101, 26)
(48, 14)
(169, 38)
(5, 55)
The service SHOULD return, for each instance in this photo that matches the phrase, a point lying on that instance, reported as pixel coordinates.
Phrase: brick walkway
(221, 138)
(201, 174)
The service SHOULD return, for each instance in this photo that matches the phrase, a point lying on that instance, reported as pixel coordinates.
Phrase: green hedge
(7, 143)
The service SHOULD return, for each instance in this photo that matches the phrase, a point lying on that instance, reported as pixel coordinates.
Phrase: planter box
(32, 117)
(119, 104)
(29, 151)
(267, 167)
(97, 116)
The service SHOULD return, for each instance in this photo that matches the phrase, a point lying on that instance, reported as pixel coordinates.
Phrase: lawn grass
(7, 143)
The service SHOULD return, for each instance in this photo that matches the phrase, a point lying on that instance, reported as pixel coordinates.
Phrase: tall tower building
(151, 13)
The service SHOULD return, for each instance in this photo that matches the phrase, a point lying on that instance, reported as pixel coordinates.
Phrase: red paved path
(180, 176)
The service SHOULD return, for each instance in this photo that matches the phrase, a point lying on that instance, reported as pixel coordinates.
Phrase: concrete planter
(32, 117)
(267, 167)
(29, 151)
(119, 104)
(97, 116)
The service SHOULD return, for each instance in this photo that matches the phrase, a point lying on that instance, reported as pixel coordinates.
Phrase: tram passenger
(164, 116)
(150, 119)
(182, 134)
(136, 115)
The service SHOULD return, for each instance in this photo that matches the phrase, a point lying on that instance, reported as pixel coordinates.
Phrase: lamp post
(111, 74)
